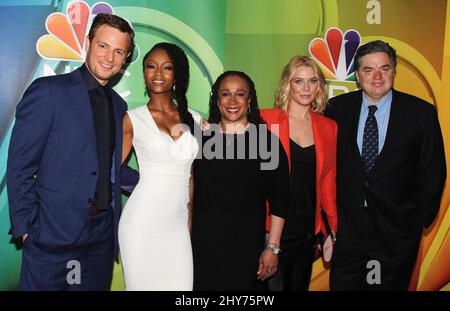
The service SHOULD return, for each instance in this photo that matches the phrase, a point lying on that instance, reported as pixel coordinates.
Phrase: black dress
(298, 239)
(228, 225)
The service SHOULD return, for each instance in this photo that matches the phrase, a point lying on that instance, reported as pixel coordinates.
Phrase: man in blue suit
(64, 168)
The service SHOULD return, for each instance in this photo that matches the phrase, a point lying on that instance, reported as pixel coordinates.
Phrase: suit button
(93, 173)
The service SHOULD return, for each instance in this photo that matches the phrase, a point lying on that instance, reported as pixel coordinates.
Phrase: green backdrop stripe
(179, 30)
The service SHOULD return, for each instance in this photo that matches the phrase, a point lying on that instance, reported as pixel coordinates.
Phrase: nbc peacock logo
(67, 33)
(335, 56)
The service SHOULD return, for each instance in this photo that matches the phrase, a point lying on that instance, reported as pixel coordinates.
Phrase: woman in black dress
(242, 165)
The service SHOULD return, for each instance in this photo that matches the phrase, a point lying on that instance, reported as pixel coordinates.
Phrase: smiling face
(303, 86)
(234, 100)
(375, 75)
(158, 72)
(107, 52)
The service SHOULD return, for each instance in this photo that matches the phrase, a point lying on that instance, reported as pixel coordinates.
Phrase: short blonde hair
(282, 95)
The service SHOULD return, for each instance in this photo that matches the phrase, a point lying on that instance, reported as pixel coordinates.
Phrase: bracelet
(274, 248)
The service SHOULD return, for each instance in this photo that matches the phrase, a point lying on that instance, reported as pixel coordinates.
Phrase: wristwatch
(273, 248)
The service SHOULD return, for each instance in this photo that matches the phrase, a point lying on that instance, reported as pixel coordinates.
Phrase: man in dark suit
(64, 168)
(390, 176)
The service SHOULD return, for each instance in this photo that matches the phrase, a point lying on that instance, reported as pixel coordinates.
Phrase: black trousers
(358, 269)
(294, 265)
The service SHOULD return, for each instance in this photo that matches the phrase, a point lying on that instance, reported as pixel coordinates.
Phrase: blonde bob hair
(282, 96)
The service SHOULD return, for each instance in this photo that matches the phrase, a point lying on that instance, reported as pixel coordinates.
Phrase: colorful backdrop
(259, 37)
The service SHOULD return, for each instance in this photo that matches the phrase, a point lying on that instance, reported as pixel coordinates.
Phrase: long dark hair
(181, 79)
(214, 112)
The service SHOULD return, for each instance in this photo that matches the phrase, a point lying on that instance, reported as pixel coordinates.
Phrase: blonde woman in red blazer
(309, 140)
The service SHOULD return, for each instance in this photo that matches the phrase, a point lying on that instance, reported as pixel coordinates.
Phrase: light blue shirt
(381, 115)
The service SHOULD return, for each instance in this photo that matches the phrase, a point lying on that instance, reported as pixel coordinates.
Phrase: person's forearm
(276, 228)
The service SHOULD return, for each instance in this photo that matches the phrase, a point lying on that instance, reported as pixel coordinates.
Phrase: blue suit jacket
(52, 162)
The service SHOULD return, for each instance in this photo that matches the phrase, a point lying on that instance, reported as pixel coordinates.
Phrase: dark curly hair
(214, 113)
(181, 78)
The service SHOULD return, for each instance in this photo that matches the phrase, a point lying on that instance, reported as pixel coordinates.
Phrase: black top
(235, 178)
(302, 199)
(229, 212)
(103, 116)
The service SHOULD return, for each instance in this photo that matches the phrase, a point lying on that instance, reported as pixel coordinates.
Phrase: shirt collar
(382, 104)
(90, 81)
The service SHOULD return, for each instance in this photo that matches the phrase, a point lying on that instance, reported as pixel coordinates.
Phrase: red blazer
(325, 140)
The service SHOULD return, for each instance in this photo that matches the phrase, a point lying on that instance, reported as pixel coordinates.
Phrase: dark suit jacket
(52, 162)
(325, 135)
(404, 188)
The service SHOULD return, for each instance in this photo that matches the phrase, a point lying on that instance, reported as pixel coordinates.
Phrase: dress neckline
(301, 147)
(159, 130)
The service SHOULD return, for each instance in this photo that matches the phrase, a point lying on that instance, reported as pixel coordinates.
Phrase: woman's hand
(268, 261)
(333, 234)
(205, 125)
(268, 264)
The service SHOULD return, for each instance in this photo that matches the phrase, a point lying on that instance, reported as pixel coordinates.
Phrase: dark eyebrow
(102, 42)
(238, 90)
(384, 66)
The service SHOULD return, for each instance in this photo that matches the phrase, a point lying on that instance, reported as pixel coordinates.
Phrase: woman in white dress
(154, 235)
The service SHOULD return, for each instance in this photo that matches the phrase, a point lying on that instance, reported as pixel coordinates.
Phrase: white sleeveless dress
(154, 236)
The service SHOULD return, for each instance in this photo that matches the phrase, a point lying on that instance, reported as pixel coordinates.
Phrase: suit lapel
(394, 117)
(279, 118)
(117, 117)
(319, 142)
(117, 154)
(118, 127)
(80, 98)
(354, 113)
(283, 120)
